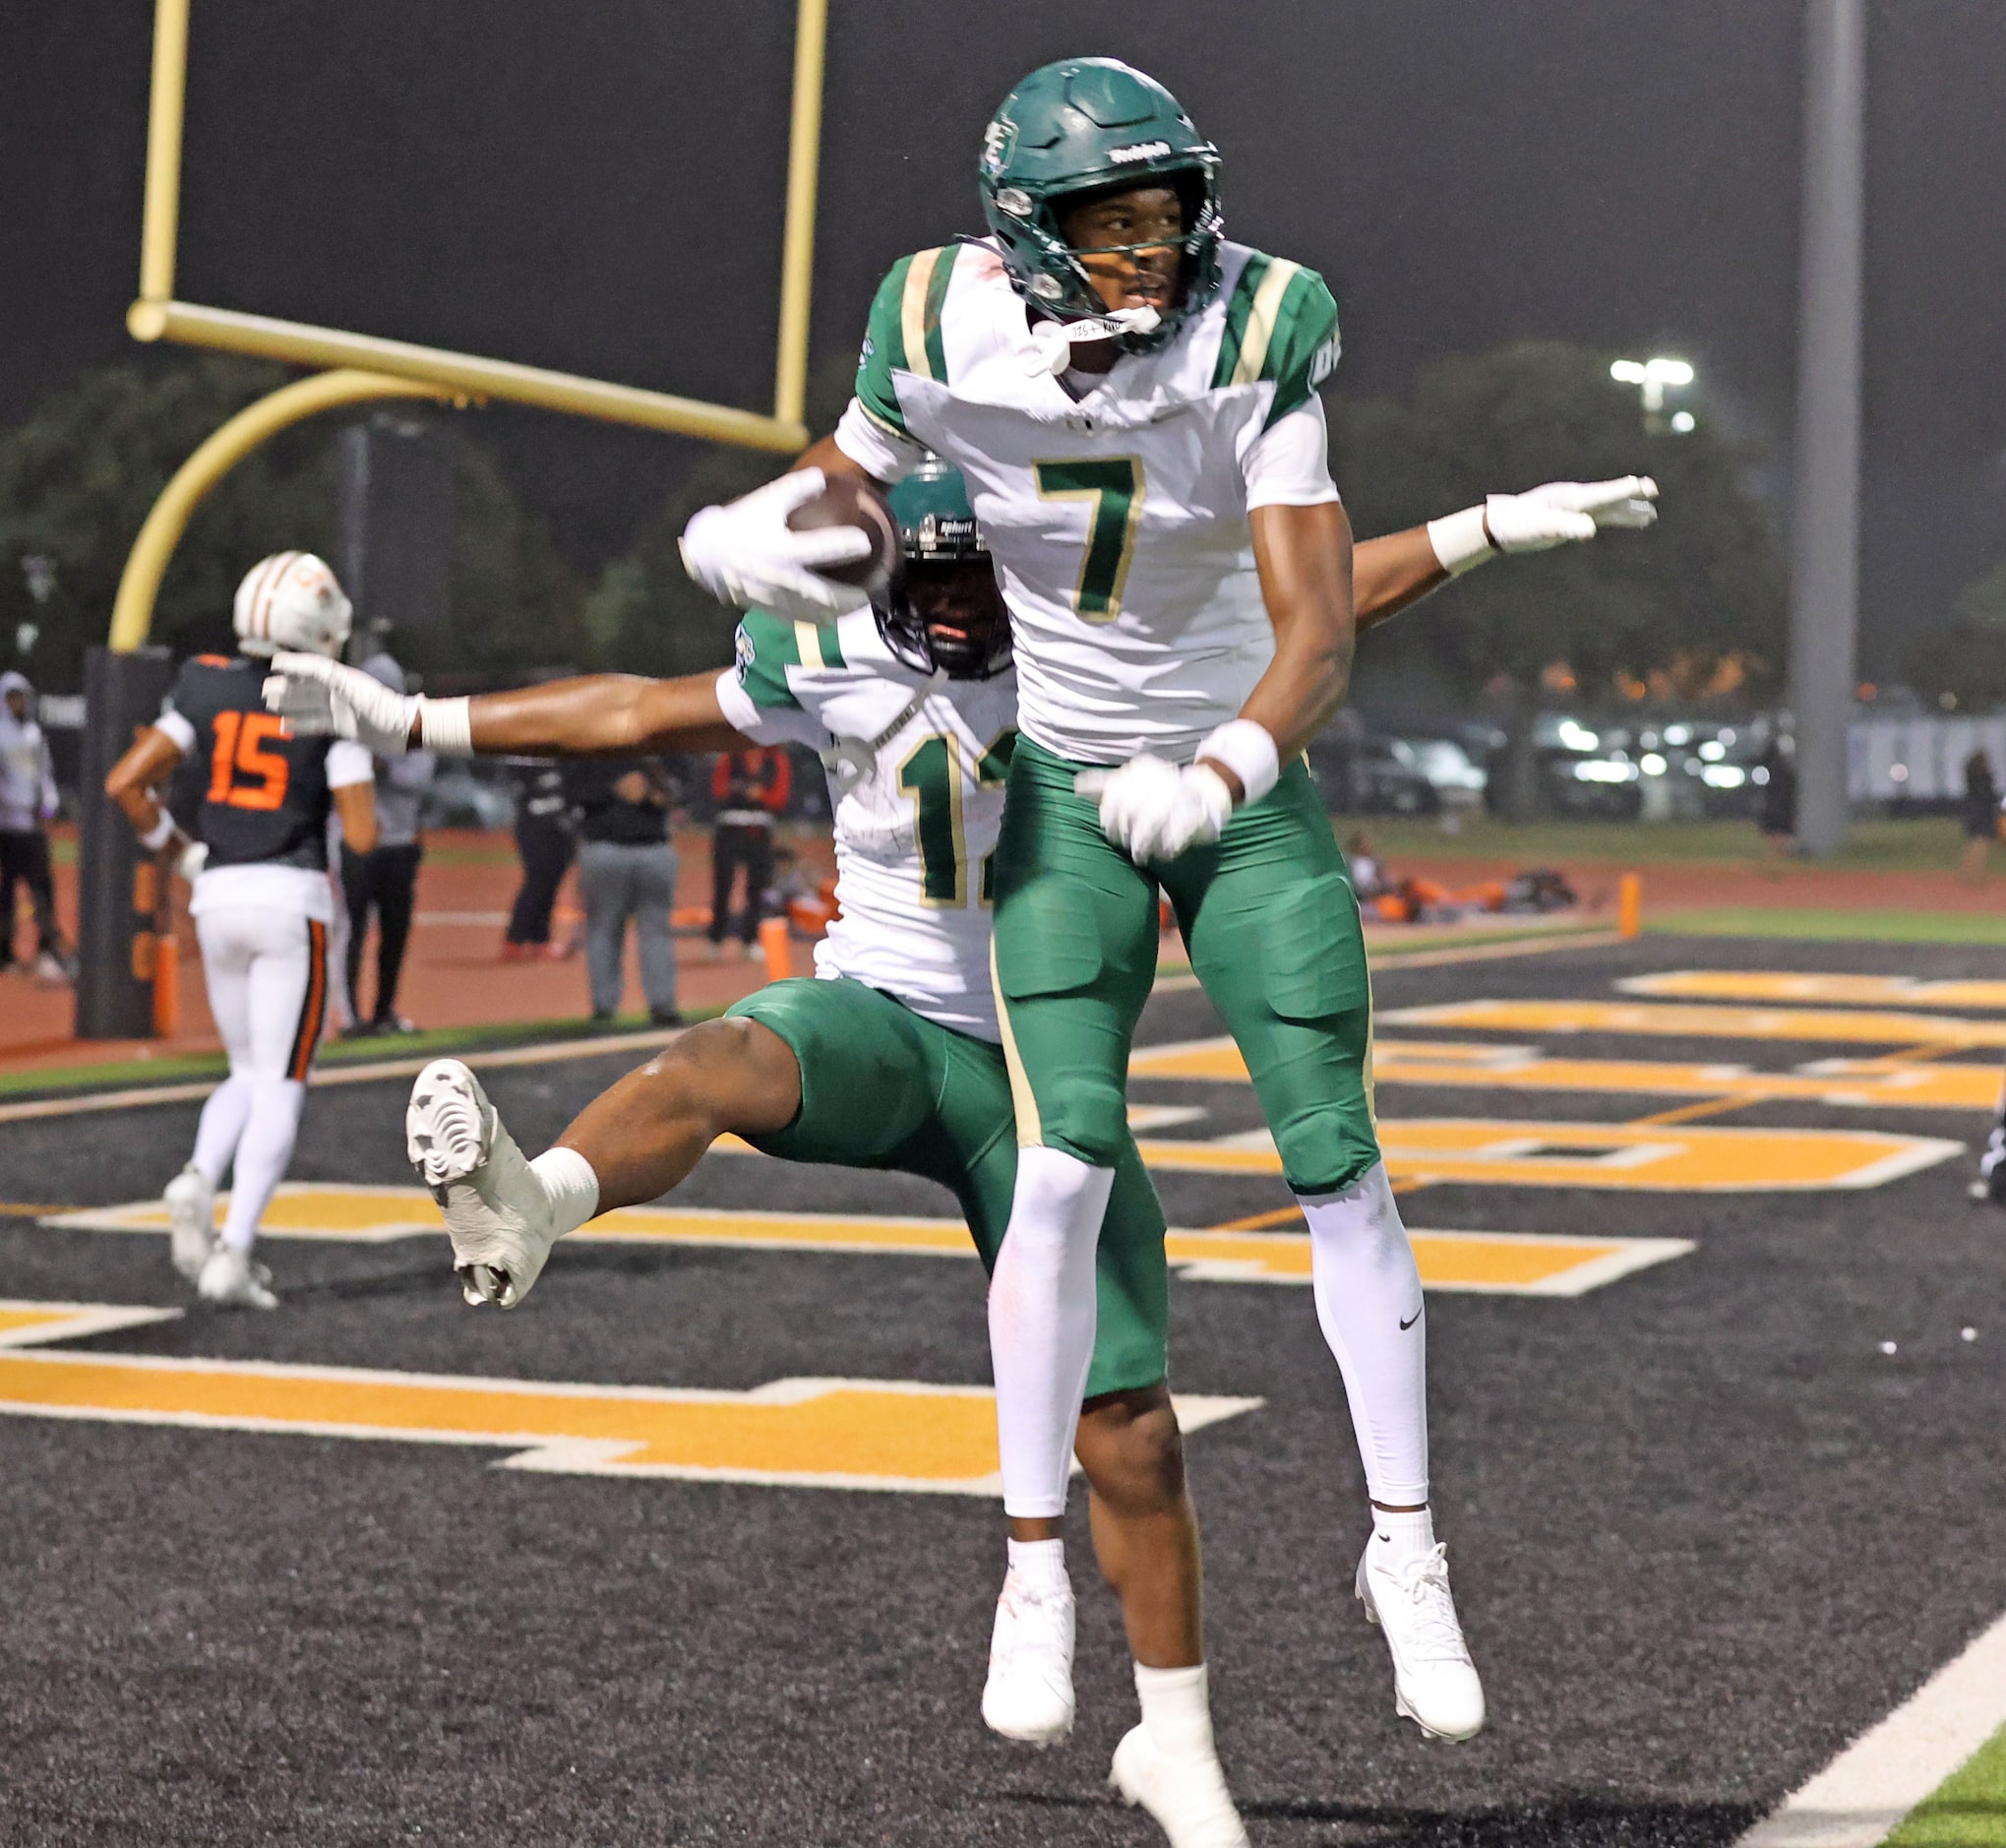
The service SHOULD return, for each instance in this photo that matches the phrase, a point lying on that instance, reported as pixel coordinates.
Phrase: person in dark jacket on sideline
(547, 845)
(751, 787)
(1979, 813)
(384, 879)
(627, 868)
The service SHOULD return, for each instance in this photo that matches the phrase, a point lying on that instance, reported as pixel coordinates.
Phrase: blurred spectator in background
(1779, 818)
(27, 803)
(627, 868)
(386, 879)
(1368, 877)
(751, 787)
(547, 846)
(1981, 814)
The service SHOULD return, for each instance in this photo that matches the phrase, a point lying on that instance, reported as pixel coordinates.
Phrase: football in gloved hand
(849, 502)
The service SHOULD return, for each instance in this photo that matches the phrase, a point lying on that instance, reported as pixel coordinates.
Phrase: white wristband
(1249, 751)
(1460, 540)
(446, 726)
(158, 837)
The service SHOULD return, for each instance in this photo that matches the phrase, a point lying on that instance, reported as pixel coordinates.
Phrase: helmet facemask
(945, 613)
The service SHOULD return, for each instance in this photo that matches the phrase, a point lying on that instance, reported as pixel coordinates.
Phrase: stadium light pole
(1825, 513)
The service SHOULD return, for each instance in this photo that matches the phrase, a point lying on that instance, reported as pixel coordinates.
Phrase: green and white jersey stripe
(916, 766)
(1120, 517)
(903, 334)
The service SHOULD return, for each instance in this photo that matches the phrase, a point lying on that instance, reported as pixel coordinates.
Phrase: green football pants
(1273, 926)
(882, 1087)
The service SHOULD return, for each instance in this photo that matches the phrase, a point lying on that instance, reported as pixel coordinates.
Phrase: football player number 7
(1113, 489)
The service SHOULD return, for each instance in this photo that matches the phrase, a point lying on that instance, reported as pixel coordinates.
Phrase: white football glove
(319, 696)
(744, 553)
(191, 860)
(1555, 514)
(1153, 811)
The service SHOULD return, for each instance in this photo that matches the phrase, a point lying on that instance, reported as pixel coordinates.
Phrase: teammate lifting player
(890, 1059)
(261, 901)
(1133, 402)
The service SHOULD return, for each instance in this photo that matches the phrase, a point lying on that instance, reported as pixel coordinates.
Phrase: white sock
(221, 1127)
(1040, 1564)
(570, 1185)
(1177, 1710)
(1369, 1303)
(1041, 1324)
(263, 1153)
(1404, 1534)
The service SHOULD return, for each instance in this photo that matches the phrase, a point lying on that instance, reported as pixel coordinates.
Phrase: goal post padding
(118, 884)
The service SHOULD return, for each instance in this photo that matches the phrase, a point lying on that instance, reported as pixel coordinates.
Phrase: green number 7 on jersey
(1114, 488)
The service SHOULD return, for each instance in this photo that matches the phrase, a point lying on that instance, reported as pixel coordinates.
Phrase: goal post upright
(158, 313)
(127, 678)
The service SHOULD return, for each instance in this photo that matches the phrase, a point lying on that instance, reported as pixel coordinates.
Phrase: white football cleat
(496, 1212)
(230, 1280)
(1187, 1795)
(191, 1221)
(1028, 1695)
(1434, 1681)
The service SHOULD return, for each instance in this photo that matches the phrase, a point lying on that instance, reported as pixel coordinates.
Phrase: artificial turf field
(1704, 1530)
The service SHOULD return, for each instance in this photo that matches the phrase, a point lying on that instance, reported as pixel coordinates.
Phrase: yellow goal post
(399, 368)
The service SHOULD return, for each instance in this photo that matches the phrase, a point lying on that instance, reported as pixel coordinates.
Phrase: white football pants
(266, 971)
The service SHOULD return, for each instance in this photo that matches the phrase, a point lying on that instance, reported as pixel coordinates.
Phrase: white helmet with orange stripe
(291, 600)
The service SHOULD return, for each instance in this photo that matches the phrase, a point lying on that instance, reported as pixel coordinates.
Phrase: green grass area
(210, 1065)
(1968, 1809)
(1811, 924)
(1877, 846)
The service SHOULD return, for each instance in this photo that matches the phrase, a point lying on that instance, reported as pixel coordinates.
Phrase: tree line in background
(1695, 605)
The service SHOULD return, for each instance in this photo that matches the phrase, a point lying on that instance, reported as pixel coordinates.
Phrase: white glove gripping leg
(1041, 1324)
(744, 553)
(1153, 811)
(1370, 1305)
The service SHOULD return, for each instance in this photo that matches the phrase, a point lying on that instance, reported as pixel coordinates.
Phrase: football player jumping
(890, 1059)
(1134, 402)
(262, 904)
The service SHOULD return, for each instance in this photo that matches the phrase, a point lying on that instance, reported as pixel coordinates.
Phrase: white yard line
(1858, 1799)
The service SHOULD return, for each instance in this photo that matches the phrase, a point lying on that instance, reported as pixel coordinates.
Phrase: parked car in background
(461, 795)
(1385, 775)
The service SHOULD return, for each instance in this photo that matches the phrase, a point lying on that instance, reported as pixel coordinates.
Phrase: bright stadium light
(1651, 377)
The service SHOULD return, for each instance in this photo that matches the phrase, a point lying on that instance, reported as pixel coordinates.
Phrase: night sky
(598, 189)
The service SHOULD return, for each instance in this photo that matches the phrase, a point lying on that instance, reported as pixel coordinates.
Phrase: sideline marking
(1542, 943)
(887, 1435)
(1853, 991)
(1702, 1023)
(1858, 1799)
(552, 1052)
(1488, 1263)
(1480, 1064)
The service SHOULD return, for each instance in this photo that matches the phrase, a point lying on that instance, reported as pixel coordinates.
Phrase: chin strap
(1052, 341)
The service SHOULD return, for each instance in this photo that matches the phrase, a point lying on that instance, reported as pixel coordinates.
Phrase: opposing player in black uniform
(261, 904)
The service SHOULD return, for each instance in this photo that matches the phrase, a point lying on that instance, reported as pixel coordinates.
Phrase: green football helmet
(1087, 125)
(945, 613)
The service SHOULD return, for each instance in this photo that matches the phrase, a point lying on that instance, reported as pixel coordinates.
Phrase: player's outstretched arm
(595, 715)
(1402, 568)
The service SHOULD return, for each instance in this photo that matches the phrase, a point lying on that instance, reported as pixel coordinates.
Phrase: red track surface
(453, 976)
